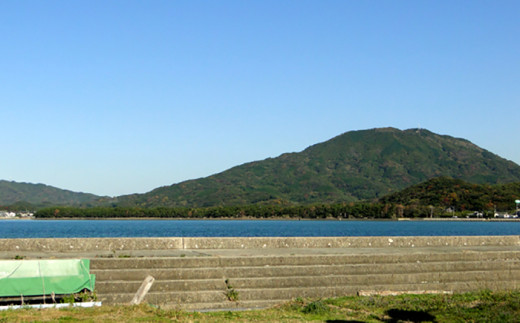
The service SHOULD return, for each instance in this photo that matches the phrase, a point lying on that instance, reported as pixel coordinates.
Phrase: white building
(5, 214)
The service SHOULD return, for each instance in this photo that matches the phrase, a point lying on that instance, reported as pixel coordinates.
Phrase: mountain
(40, 195)
(356, 165)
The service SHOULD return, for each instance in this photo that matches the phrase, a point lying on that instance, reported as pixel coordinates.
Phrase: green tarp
(44, 277)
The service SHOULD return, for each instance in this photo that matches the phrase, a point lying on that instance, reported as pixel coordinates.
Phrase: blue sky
(120, 97)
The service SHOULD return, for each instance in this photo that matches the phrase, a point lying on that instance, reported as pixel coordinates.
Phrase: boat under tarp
(45, 277)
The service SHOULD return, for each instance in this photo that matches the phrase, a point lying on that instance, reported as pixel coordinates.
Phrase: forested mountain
(37, 195)
(356, 165)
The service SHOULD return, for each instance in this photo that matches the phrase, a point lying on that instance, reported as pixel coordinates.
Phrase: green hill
(354, 166)
(457, 194)
(38, 195)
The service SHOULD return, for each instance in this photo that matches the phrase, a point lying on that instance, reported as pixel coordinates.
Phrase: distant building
(5, 214)
(504, 215)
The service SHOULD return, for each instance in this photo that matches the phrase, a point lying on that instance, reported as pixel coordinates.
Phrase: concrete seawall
(176, 243)
(200, 273)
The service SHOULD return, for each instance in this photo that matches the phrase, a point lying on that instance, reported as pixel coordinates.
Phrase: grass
(231, 293)
(484, 306)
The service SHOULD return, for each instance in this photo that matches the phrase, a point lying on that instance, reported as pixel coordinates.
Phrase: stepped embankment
(232, 273)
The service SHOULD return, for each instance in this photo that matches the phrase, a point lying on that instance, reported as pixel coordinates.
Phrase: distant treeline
(321, 211)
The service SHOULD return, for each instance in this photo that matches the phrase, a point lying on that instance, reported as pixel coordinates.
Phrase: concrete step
(284, 294)
(170, 298)
(198, 283)
(308, 281)
(369, 279)
(250, 298)
(124, 286)
(177, 303)
(315, 270)
(231, 306)
(212, 262)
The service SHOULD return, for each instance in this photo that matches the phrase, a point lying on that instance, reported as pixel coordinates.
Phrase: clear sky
(118, 97)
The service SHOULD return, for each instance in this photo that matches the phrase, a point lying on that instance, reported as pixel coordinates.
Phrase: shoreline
(272, 219)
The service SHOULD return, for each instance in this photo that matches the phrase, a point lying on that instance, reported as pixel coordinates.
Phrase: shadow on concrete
(397, 315)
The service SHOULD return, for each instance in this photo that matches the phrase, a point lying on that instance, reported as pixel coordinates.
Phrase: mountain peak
(355, 165)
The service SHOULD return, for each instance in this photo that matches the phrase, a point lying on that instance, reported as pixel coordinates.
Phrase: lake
(248, 228)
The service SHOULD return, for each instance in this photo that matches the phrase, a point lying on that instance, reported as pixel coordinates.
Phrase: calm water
(248, 228)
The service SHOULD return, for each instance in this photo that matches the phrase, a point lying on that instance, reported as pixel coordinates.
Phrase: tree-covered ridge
(354, 166)
(38, 195)
(436, 197)
(457, 194)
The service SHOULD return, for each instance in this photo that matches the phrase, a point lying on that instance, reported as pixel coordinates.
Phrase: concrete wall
(193, 273)
(125, 244)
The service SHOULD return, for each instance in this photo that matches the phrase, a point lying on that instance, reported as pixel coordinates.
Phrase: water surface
(248, 228)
